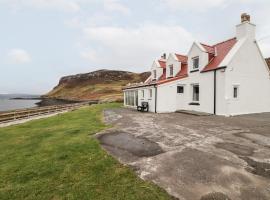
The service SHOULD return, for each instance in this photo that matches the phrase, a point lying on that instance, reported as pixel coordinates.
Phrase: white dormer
(173, 66)
(197, 58)
(156, 70)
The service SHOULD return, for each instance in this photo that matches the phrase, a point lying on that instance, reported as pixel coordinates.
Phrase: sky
(43, 40)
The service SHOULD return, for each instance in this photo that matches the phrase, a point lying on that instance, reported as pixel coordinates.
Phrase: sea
(7, 103)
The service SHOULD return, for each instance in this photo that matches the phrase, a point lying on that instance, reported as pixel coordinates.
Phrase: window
(150, 93)
(196, 93)
(235, 92)
(154, 74)
(195, 62)
(131, 98)
(171, 70)
(180, 89)
(142, 93)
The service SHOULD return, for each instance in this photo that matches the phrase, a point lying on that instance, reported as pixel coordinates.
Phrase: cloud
(89, 54)
(115, 5)
(18, 56)
(134, 46)
(64, 5)
(194, 5)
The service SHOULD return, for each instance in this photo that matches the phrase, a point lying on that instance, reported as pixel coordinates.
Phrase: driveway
(194, 157)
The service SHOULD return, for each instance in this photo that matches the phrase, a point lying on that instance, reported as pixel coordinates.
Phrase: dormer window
(154, 74)
(195, 63)
(171, 70)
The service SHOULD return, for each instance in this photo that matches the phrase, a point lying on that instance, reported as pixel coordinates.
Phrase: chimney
(245, 29)
(245, 18)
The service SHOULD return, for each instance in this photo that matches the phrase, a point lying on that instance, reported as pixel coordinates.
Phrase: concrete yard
(194, 157)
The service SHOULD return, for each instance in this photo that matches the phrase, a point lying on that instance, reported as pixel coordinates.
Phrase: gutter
(138, 86)
(223, 67)
(155, 86)
(215, 90)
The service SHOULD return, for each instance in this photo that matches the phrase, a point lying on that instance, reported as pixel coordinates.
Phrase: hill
(104, 85)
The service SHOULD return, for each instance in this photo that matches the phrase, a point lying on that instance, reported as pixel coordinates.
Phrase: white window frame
(193, 62)
(194, 85)
(142, 91)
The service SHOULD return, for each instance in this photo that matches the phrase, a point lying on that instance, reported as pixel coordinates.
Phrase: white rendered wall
(248, 70)
(166, 98)
(221, 105)
(170, 101)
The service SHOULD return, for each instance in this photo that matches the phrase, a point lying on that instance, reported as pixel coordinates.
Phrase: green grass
(56, 158)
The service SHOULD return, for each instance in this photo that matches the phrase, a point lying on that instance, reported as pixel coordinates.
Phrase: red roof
(181, 58)
(217, 53)
(209, 49)
(268, 62)
(183, 71)
(222, 49)
(162, 63)
(181, 74)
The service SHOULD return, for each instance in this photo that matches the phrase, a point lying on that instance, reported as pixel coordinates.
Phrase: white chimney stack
(245, 29)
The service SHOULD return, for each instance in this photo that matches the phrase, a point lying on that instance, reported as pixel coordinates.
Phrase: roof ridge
(180, 54)
(224, 41)
(213, 46)
(207, 45)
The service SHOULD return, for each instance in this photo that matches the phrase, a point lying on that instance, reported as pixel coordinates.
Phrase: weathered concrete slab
(126, 146)
(194, 157)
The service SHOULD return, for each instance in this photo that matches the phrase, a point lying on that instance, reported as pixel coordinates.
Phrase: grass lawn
(55, 158)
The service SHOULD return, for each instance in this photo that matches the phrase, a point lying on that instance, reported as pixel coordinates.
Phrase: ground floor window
(196, 93)
(235, 92)
(131, 98)
(180, 89)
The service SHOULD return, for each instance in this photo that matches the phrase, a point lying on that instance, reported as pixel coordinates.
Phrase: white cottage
(228, 78)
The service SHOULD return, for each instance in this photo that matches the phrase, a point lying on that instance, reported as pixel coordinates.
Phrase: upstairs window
(171, 70)
(196, 93)
(195, 63)
(155, 74)
(180, 89)
(142, 93)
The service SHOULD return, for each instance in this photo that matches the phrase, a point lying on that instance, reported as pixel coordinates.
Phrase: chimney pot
(245, 18)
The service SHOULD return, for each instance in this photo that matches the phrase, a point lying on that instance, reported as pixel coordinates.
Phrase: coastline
(55, 101)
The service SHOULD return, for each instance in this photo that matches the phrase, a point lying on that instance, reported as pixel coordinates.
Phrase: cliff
(104, 85)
